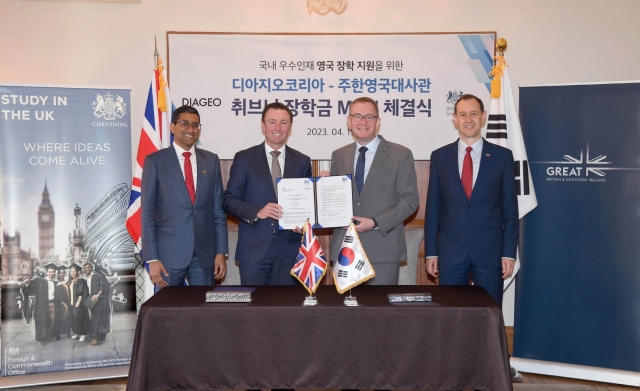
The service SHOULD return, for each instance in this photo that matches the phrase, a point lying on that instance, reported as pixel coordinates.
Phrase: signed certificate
(334, 201)
(296, 196)
(326, 201)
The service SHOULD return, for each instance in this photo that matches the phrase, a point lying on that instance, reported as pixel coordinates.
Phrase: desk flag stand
(350, 300)
(311, 264)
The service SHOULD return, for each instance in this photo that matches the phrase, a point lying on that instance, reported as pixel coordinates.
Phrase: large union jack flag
(311, 264)
(155, 135)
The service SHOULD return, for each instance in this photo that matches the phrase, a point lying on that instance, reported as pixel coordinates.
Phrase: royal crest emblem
(14, 350)
(109, 108)
(453, 96)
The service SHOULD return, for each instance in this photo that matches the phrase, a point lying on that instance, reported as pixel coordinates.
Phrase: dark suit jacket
(486, 226)
(389, 195)
(171, 226)
(249, 189)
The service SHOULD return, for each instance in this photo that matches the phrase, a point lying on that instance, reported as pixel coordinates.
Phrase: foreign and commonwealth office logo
(580, 169)
(108, 107)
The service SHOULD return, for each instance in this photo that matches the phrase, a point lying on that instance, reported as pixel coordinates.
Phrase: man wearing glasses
(184, 229)
(384, 191)
(265, 254)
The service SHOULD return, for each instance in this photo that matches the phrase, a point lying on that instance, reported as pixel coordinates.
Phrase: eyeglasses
(367, 118)
(185, 125)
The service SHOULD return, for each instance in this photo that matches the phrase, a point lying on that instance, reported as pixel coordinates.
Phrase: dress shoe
(40, 344)
(95, 342)
(516, 377)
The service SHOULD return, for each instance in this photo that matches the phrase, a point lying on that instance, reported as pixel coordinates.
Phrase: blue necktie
(360, 169)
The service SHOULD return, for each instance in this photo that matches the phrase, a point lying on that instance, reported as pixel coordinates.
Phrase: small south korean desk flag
(352, 267)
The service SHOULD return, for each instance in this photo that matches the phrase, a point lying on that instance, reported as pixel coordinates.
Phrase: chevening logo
(108, 107)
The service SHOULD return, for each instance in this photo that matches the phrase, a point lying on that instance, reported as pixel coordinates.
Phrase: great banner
(68, 292)
(415, 78)
(578, 291)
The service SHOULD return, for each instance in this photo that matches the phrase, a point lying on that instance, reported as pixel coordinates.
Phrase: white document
(335, 201)
(296, 196)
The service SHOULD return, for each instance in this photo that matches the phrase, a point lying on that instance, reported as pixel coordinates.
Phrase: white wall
(111, 44)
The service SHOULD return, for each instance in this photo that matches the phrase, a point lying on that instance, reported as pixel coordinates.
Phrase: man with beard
(98, 303)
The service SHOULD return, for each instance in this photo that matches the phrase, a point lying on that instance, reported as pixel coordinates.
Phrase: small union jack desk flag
(311, 264)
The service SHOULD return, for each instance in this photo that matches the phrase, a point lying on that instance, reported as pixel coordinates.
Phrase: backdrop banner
(65, 155)
(415, 78)
(578, 291)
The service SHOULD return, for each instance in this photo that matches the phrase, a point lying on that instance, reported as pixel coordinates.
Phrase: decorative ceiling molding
(323, 7)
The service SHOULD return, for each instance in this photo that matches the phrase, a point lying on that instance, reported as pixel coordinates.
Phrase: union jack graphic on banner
(155, 135)
(311, 264)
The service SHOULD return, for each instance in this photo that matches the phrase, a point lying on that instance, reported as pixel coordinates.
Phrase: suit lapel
(290, 165)
(378, 160)
(348, 155)
(172, 164)
(263, 167)
(485, 166)
(453, 162)
(201, 173)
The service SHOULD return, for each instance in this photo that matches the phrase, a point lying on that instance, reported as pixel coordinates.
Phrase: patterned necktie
(188, 176)
(360, 169)
(467, 173)
(276, 172)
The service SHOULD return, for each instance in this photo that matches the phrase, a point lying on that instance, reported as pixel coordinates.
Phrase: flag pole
(156, 55)
(498, 71)
(310, 300)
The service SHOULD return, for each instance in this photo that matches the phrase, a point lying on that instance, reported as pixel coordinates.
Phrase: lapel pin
(204, 171)
(487, 154)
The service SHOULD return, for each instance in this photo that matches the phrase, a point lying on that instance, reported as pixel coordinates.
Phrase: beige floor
(531, 382)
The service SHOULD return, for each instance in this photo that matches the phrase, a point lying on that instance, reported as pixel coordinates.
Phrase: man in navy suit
(265, 254)
(471, 223)
(184, 229)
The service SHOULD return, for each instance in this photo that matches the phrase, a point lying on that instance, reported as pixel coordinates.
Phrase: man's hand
(94, 297)
(432, 266)
(507, 267)
(325, 173)
(270, 210)
(219, 267)
(366, 224)
(297, 230)
(155, 269)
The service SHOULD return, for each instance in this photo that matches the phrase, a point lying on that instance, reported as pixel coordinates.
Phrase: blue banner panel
(578, 291)
(68, 290)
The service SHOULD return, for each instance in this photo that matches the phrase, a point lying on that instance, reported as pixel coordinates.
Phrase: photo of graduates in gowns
(68, 262)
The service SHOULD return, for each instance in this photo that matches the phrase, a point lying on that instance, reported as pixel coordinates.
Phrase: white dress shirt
(192, 158)
(476, 154)
(372, 147)
(281, 159)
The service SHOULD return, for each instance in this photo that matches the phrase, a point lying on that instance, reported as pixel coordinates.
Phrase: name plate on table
(230, 294)
(409, 297)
